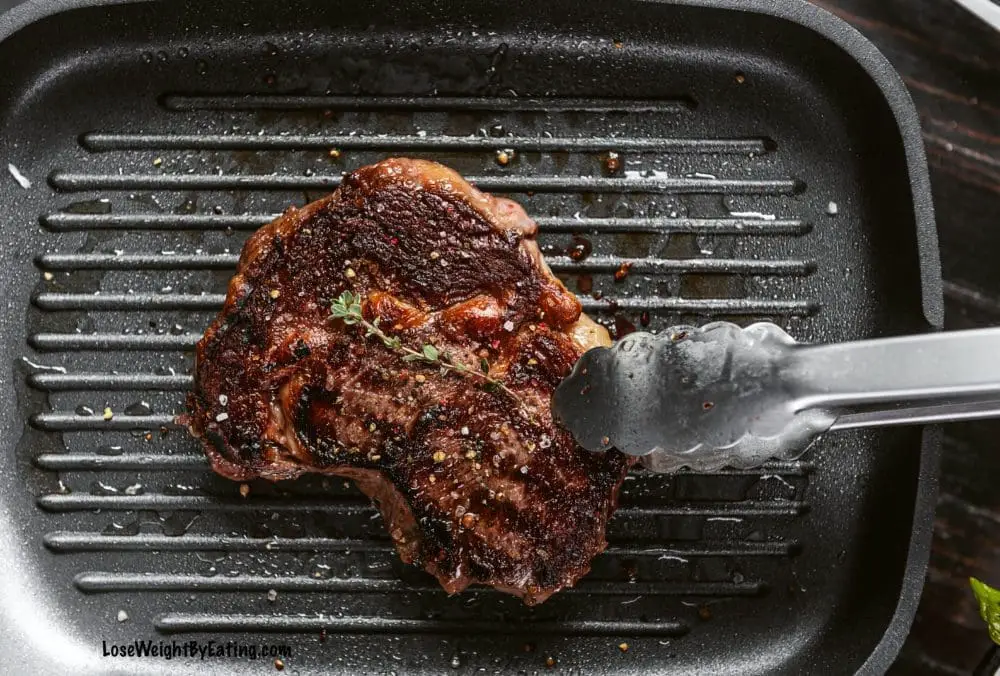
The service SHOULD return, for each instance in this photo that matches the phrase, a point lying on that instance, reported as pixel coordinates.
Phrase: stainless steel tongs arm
(926, 414)
(934, 377)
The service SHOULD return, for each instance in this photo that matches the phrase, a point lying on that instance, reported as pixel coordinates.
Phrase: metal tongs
(721, 395)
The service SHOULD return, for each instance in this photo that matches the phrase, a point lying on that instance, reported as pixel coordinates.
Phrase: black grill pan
(157, 135)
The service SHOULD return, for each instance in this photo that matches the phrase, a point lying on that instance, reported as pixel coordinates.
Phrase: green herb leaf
(342, 306)
(989, 606)
(347, 307)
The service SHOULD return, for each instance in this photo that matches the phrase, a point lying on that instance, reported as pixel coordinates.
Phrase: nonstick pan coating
(770, 167)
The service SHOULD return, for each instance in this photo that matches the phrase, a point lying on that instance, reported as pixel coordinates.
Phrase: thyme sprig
(347, 307)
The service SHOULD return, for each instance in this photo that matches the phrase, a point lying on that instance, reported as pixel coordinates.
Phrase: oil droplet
(178, 523)
(84, 410)
(580, 249)
(100, 488)
(622, 272)
(98, 206)
(139, 408)
(612, 163)
(188, 206)
(122, 529)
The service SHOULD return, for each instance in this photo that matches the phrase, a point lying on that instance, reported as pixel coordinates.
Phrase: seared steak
(435, 400)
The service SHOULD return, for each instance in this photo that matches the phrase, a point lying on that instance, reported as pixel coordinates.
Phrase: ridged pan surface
(726, 163)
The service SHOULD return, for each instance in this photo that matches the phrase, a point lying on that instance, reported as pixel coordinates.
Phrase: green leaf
(989, 606)
(413, 357)
(484, 365)
(345, 305)
(430, 352)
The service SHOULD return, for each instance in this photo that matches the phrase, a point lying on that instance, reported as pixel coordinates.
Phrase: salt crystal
(21, 179)
(222, 416)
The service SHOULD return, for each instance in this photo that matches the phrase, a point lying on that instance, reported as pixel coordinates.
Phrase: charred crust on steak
(470, 488)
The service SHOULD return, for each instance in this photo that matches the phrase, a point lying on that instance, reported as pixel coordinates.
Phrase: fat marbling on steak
(474, 479)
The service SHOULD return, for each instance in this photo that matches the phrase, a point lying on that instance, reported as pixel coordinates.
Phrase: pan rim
(878, 68)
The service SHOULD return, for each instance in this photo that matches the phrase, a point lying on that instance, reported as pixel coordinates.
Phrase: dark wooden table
(951, 62)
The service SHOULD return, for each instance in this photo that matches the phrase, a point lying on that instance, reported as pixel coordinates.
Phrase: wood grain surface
(950, 60)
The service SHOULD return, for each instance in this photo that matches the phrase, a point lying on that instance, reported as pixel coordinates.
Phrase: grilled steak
(435, 400)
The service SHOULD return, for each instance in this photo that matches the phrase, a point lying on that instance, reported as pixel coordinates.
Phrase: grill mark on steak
(473, 486)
